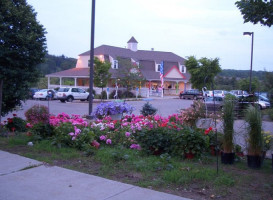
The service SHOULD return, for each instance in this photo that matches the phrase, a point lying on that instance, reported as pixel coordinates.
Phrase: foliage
(15, 124)
(230, 73)
(155, 140)
(148, 109)
(128, 94)
(77, 136)
(267, 140)
(193, 141)
(54, 64)
(41, 130)
(228, 123)
(103, 95)
(113, 93)
(244, 84)
(255, 140)
(37, 113)
(191, 114)
(23, 47)
(101, 73)
(129, 74)
(202, 71)
(256, 11)
(112, 108)
(225, 83)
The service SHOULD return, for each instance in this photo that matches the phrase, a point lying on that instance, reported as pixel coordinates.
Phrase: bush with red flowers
(15, 124)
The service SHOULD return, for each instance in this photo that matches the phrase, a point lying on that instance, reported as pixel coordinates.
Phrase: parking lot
(165, 106)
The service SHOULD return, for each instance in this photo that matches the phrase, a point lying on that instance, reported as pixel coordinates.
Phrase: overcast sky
(202, 28)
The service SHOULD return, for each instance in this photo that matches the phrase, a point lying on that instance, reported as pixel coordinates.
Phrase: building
(175, 74)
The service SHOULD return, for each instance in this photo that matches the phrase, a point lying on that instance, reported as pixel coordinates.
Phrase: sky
(200, 28)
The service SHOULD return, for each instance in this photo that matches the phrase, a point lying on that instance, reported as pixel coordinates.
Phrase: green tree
(129, 74)
(202, 71)
(244, 84)
(256, 11)
(101, 73)
(22, 48)
(268, 84)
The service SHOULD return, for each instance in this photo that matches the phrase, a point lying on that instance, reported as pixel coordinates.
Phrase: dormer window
(182, 68)
(157, 67)
(115, 64)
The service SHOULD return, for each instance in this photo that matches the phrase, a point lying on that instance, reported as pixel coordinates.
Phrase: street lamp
(250, 73)
(91, 58)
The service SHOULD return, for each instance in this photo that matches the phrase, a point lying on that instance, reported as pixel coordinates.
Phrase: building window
(182, 68)
(157, 67)
(115, 64)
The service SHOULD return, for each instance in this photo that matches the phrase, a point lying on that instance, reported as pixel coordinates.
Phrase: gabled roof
(132, 40)
(115, 52)
(74, 72)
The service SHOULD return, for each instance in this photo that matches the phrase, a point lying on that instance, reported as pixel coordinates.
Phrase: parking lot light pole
(91, 59)
(250, 73)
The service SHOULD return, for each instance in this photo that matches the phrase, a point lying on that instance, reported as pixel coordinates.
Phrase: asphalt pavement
(26, 179)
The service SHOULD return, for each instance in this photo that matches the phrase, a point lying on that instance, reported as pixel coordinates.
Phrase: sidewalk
(24, 178)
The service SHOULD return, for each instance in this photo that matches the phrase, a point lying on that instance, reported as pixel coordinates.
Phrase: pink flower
(71, 134)
(108, 141)
(135, 146)
(14, 115)
(103, 137)
(127, 134)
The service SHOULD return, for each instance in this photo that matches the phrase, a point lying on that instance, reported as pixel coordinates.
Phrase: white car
(220, 93)
(45, 94)
(70, 94)
(263, 102)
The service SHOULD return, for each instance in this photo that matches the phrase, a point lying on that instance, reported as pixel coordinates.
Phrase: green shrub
(16, 124)
(41, 130)
(255, 140)
(70, 135)
(128, 94)
(193, 141)
(112, 94)
(155, 140)
(37, 113)
(148, 109)
(228, 123)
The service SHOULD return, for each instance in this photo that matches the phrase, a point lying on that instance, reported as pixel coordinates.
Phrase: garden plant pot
(116, 117)
(254, 162)
(212, 150)
(240, 154)
(227, 158)
(189, 155)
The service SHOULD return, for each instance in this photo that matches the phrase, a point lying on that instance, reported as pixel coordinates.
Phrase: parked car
(262, 101)
(239, 93)
(70, 94)
(217, 101)
(45, 94)
(32, 92)
(208, 93)
(191, 94)
(220, 93)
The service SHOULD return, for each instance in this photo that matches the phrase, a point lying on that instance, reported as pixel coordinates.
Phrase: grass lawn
(196, 179)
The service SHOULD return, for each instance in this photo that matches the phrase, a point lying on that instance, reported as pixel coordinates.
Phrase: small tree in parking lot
(101, 73)
(202, 70)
